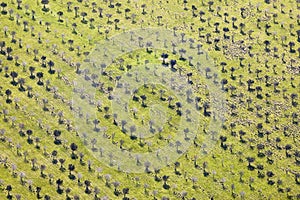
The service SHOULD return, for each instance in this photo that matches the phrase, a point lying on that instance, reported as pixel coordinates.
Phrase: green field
(151, 99)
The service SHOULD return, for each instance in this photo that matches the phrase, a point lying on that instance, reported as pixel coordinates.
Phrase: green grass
(225, 163)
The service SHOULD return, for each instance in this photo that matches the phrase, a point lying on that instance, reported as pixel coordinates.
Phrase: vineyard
(128, 99)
